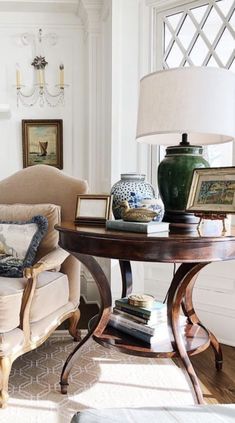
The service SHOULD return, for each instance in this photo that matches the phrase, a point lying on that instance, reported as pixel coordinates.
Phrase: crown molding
(93, 4)
(45, 6)
(90, 12)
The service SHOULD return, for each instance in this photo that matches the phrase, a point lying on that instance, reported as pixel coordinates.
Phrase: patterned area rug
(101, 378)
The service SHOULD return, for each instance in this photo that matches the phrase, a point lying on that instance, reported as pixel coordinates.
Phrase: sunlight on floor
(101, 377)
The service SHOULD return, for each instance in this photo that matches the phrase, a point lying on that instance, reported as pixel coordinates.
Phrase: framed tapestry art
(42, 142)
(212, 191)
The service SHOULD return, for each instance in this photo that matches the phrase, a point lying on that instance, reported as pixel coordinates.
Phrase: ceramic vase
(133, 188)
(174, 180)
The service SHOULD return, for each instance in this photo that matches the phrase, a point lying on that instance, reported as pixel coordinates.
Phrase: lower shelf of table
(195, 337)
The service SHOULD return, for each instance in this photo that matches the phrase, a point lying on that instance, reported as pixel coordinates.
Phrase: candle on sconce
(17, 76)
(40, 77)
(61, 75)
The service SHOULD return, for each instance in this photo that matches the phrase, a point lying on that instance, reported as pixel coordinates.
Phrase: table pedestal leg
(103, 317)
(176, 293)
(188, 308)
(125, 267)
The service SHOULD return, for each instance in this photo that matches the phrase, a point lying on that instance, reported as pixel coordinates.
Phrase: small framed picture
(42, 142)
(93, 209)
(212, 191)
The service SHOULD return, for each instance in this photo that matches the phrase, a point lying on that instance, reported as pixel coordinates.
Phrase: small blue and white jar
(133, 188)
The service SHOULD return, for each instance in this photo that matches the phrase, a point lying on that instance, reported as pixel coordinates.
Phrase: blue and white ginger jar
(133, 188)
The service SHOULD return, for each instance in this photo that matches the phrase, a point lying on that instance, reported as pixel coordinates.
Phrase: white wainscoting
(214, 295)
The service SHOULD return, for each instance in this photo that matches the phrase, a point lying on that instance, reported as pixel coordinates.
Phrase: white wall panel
(70, 51)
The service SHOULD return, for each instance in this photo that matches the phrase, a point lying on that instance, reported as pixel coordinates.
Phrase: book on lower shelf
(155, 312)
(160, 332)
(129, 321)
(144, 227)
(148, 322)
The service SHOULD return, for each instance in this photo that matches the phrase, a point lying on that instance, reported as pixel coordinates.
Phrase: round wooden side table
(192, 251)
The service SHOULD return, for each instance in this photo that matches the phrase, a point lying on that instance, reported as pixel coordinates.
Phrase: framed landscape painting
(212, 190)
(42, 142)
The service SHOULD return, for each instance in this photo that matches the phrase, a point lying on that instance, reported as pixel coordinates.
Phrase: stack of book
(146, 324)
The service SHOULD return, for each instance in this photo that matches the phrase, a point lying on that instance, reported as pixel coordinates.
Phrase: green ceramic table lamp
(185, 108)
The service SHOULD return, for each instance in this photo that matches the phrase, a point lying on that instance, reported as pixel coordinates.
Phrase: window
(198, 33)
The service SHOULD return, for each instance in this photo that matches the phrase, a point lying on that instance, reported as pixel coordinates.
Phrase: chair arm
(49, 262)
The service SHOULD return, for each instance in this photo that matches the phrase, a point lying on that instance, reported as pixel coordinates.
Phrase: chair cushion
(11, 341)
(18, 244)
(52, 292)
(24, 212)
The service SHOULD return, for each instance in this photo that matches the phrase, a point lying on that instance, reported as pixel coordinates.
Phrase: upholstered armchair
(34, 305)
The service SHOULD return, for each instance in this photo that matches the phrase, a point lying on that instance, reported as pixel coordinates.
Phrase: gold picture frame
(42, 141)
(93, 209)
(212, 191)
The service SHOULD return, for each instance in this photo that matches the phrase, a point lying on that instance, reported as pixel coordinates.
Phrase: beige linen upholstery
(31, 307)
(51, 293)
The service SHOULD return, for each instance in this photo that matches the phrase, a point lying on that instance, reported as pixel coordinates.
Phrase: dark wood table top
(207, 246)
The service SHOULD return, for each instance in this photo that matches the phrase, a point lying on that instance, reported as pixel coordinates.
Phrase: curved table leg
(188, 309)
(176, 293)
(103, 317)
(125, 267)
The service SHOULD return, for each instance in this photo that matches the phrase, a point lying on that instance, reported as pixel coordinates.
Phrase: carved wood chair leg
(73, 321)
(5, 368)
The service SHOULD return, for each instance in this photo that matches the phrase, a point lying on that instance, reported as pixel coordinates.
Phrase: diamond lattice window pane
(232, 67)
(212, 62)
(232, 20)
(167, 36)
(199, 12)
(213, 25)
(174, 19)
(225, 5)
(175, 57)
(199, 52)
(186, 51)
(186, 32)
(225, 47)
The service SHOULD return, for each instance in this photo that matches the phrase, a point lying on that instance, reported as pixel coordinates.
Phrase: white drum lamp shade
(199, 101)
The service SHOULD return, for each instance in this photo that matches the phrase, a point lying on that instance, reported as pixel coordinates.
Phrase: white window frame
(159, 8)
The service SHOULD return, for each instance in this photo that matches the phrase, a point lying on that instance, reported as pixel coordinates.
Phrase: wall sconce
(40, 92)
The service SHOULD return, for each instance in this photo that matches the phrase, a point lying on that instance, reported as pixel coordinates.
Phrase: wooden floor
(217, 386)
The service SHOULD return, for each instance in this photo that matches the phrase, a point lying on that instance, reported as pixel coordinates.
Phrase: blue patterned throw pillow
(19, 242)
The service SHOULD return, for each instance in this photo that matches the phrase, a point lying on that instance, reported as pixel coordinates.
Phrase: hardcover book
(160, 333)
(130, 331)
(157, 310)
(144, 227)
(149, 322)
(132, 324)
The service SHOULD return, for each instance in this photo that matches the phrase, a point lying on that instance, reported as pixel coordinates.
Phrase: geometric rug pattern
(100, 378)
